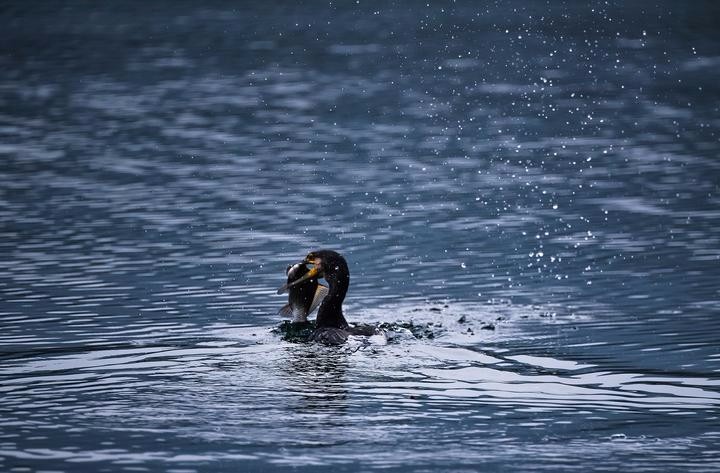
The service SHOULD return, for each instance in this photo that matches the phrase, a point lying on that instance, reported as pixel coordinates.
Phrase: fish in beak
(305, 293)
(315, 272)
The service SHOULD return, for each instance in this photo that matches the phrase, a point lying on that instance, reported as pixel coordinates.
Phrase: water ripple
(539, 196)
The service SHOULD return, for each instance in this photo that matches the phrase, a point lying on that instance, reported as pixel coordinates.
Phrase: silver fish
(303, 297)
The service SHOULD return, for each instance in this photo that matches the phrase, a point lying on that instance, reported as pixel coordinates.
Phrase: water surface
(537, 184)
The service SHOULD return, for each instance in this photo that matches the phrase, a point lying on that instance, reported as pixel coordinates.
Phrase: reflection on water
(535, 185)
(230, 393)
(240, 394)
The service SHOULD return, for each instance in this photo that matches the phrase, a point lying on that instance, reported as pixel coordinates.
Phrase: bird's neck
(330, 313)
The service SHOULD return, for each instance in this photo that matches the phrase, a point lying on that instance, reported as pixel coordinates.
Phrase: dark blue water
(537, 183)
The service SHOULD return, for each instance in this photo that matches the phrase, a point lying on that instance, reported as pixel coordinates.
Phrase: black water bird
(331, 326)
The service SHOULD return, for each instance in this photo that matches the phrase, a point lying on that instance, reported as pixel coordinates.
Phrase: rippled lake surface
(534, 183)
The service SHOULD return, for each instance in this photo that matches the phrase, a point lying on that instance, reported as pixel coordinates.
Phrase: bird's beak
(309, 275)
